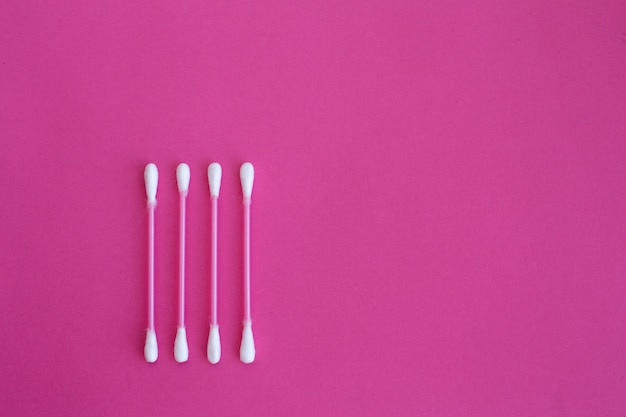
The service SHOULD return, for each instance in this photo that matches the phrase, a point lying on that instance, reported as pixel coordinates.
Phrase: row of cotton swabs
(181, 349)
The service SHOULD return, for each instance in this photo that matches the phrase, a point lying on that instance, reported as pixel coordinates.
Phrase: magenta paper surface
(438, 216)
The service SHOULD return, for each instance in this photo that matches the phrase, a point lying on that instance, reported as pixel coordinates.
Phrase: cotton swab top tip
(246, 174)
(151, 177)
(183, 174)
(215, 178)
(151, 349)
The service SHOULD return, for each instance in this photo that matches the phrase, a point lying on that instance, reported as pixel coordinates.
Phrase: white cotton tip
(247, 351)
(151, 177)
(215, 179)
(247, 179)
(214, 347)
(151, 349)
(182, 177)
(181, 350)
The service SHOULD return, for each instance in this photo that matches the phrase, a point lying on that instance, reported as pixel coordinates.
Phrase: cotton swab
(247, 350)
(214, 348)
(151, 178)
(181, 349)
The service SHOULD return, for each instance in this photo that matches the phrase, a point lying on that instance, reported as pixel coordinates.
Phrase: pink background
(438, 216)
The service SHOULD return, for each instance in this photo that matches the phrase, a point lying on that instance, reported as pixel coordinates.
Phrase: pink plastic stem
(151, 266)
(246, 259)
(181, 263)
(213, 260)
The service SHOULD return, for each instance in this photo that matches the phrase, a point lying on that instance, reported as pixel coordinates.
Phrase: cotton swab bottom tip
(151, 349)
(247, 350)
(214, 346)
(181, 349)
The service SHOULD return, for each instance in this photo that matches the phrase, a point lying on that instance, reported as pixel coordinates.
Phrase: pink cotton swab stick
(247, 349)
(151, 178)
(181, 349)
(214, 348)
